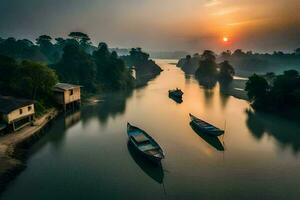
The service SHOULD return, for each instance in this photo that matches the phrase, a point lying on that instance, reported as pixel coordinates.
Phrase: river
(85, 155)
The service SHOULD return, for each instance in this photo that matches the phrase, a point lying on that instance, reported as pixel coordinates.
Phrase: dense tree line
(245, 63)
(141, 62)
(45, 48)
(27, 79)
(101, 70)
(77, 61)
(275, 92)
(206, 66)
(248, 62)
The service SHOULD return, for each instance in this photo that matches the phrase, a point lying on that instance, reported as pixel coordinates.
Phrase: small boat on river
(212, 140)
(177, 93)
(205, 127)
(144, 144)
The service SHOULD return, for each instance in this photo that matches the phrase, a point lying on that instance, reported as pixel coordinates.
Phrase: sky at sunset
(191, 25)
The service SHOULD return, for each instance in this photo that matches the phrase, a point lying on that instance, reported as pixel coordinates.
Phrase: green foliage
(79, 36)
(207, 65)
(257, 88)
(21, 49)
(28, 79)
(226, 71)
(40, 108)
(141, 62)
(34, 79)
(283, 94)
(8, 68)
(102, 70)
(77, 67)
(209, 72)
(111, 70)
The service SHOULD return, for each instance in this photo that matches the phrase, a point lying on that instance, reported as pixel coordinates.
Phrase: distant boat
(176, 93)
(176, 99)
(144, 144)
(205, 127)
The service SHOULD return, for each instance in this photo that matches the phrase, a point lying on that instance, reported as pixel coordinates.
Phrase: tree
(79, 36)
(225, 55)
(8, 67)
(207, 65)
(77, 67)
(297, 51)
(43, 38)
(257, 88)
(208, 55)
(34, 79)
(111, 70)
(226, 71)
(46, 46)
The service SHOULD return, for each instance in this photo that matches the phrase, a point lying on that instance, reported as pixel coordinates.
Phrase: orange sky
(191, 25)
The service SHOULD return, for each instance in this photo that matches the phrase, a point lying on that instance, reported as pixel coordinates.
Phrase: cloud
(211, 3)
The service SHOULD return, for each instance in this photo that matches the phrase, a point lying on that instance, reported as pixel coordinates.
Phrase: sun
(225, 39)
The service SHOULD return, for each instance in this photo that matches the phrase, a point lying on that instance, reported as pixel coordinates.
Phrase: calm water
(86, 156)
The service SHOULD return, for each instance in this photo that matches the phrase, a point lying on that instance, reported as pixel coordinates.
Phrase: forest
(275, 93)
(246, 63)
(30, 69)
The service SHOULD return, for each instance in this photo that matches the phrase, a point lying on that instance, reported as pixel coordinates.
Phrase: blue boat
(205, 127)
(145, 144)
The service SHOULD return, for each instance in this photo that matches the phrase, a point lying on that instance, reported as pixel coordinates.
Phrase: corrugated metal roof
(8, 104)
(65, 86)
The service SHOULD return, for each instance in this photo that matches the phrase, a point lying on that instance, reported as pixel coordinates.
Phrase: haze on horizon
(191, 25)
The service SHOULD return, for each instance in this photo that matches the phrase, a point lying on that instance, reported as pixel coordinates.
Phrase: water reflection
(284, 131)
(213, 141)
(72, 118)
(153, 171)
(57, 138)
(111, 105)
(142, 79)
(208, 82)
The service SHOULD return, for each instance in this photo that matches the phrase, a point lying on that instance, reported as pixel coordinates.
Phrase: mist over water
(86, 156)
(191, 25)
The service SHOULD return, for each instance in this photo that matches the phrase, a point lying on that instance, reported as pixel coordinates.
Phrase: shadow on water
(153, 171)
(142, 79)
(234, 88)
(213, 141)
(57, 137)
(285, 132)
(208, 82)
(111, 105)
(176, 99)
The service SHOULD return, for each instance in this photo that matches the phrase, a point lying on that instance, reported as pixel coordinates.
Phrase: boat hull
(195, 122)
(152, 158)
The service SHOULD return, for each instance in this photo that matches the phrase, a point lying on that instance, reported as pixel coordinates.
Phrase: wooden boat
(176, 93)
(205, 127)
(212, 140)
(176, 99)
(144, 144)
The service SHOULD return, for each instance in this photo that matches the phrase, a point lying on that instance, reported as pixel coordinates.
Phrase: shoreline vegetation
(32, 70)
(270, 92)
(13, 147)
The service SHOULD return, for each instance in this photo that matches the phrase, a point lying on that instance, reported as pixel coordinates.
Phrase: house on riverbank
(15, 113)
(67, 95)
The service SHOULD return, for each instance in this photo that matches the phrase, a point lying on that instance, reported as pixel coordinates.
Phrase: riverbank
(13, 147)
